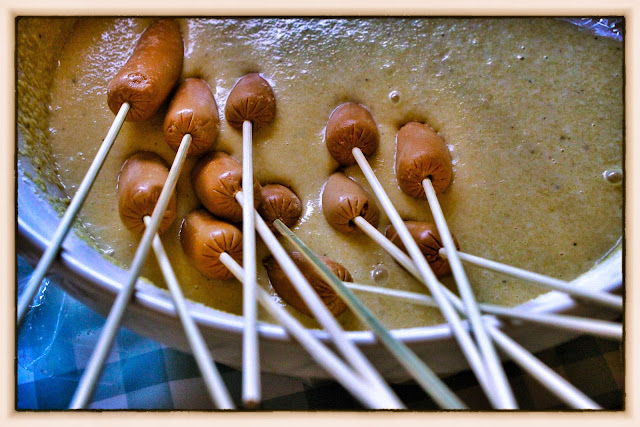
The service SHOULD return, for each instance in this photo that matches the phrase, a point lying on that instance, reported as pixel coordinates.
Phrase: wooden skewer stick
(602, 298)
(495, 370)
(581, 325)
(212, 379)
(325, 358)
(250, 351)
(346, 347)
(542, 373)
(70, 215)
(93, 370)
(429, 279)
(424, 376)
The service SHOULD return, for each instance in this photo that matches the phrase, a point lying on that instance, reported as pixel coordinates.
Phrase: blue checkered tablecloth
(58, 335)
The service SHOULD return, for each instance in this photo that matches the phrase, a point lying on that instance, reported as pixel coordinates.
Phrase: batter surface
(531, 110)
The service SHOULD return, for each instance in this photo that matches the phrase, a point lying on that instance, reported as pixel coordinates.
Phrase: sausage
(216, 178)
(343, 199)
(428, 239)
(349, 126)
(140, 183)
(420, 154)
(204, 238)
(193, 110)
(150, 73)
(251, 99)
(288, 292)
(279, 202)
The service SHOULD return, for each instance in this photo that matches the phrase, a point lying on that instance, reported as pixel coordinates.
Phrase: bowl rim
(72, 261)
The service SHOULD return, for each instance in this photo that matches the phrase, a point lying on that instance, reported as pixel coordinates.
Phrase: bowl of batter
(531, 110)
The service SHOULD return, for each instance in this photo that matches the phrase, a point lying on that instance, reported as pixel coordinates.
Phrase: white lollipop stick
(557, 385)
(461, 334)
(250, 351)
(581, 325)
(602, 298)
(600, 328)
(212, 379)
(320, 311)
(70, 215)
(325, 358)
(93, 370)
(496, 372)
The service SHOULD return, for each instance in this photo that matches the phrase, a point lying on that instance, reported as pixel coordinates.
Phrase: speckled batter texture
(531, 111)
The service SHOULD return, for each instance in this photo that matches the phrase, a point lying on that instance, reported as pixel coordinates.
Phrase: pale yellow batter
(531, 110)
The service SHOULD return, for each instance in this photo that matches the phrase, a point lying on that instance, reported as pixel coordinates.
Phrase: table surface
(58, 336)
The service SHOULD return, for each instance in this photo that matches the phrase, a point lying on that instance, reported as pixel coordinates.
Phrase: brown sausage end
(193, 110)
(428, 239)
(148, 76)
(140, 183)
(420, 154)
(351, 125)
(216, 178)
(251, 99)
(204, 239)
(279, 202)
(343, 200)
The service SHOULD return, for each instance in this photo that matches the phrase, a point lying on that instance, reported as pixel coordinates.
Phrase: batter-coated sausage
(216, 178)
(349, 126)
(288, 292)
(428, 239)
(420, 154)
(204, 239)
(343, 199)
(193, 110)
(150, 73)
(250, 99)
(140, 183)
(279, 202)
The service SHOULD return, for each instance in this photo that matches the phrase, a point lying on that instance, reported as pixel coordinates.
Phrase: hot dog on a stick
(251, 104)
(152, 70)
(423, 169)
